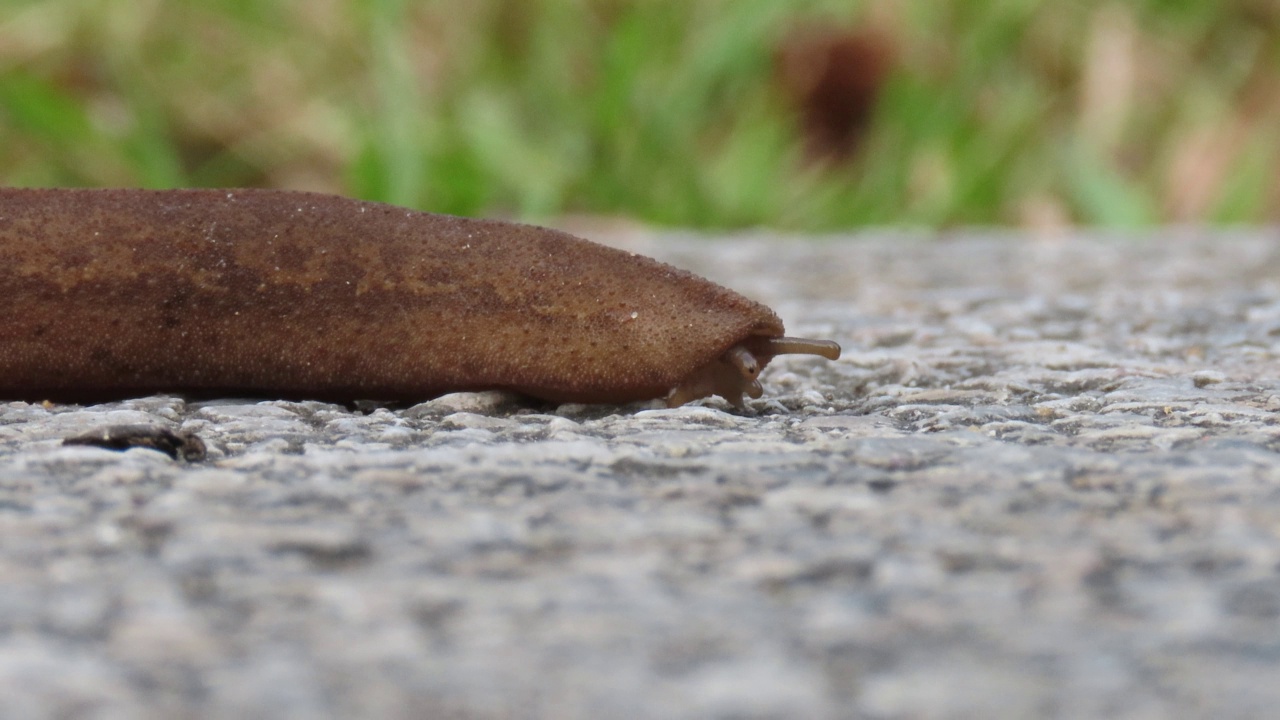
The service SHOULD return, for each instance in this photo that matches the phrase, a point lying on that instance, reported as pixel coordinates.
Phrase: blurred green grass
(1005, 112)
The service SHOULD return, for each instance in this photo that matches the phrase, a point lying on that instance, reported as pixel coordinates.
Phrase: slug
(108, 294)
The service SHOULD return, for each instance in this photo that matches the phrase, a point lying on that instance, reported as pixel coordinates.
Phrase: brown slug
(108, 294)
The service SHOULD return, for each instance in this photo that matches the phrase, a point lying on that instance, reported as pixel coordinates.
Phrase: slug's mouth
(736, 372)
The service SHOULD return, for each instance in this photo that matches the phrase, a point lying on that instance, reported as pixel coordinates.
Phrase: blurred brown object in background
(833, 78)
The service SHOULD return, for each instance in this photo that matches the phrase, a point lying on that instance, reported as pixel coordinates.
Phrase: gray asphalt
(1043, 481)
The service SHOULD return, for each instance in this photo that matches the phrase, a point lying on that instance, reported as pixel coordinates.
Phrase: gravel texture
(1043, 481)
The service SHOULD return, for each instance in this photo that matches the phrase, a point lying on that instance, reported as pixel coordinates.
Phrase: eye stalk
(801, 346)
(742, 359)
(734, 374)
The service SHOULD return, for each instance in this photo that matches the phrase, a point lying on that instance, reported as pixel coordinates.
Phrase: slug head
(736, 372)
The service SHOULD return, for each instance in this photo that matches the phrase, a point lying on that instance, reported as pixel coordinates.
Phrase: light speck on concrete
(1043, 481)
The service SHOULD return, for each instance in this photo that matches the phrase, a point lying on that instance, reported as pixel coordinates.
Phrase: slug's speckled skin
(108, 294)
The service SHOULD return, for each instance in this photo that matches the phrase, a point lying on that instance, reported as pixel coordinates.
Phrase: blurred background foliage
(796, 114)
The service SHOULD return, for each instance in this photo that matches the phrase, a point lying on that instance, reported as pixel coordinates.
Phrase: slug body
(107, 294)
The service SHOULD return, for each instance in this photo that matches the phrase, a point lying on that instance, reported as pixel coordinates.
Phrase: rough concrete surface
(1043, 481)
